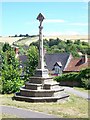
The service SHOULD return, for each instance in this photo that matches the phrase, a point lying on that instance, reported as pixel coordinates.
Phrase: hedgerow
(82, 77)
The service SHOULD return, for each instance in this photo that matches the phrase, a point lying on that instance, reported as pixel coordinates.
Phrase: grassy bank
(4, 115)
(75, 107)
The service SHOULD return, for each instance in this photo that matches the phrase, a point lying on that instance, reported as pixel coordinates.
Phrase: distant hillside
(69, 37)
(9, 40)
(28, 40)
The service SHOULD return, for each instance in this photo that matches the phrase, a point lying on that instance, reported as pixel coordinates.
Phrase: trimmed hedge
(82, 78)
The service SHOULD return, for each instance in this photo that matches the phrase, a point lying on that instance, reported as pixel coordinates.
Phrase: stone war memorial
(41, 87)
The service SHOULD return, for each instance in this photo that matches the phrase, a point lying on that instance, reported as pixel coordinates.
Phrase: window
(57, 70)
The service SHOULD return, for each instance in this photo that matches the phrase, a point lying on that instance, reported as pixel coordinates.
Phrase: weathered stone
(42, 73)
(41, 87)
(41, 99)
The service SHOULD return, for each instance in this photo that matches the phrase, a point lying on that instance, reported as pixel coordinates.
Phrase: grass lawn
(4, 115)
(75, 107)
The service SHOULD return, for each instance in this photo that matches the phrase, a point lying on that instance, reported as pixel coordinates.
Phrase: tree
(31, 62)
(26, 35)
(20, 35)
(69, 42)
(6, 47)
(77, 42)
(10, 72)
(16, 35)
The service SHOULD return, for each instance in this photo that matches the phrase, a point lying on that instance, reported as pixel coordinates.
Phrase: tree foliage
(31, 62)
(6, 47)
(59, 46)
(10, 71)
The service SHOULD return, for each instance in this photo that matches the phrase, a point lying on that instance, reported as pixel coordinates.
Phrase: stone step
(48, 85)
(33, 86)
(39, 80)
(51, 85)
(40, 93)
(60, 98)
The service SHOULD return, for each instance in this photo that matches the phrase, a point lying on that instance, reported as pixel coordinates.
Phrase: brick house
(77, 64)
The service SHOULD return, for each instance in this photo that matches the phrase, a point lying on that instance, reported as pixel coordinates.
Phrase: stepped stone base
(40, 89)
(41, 99)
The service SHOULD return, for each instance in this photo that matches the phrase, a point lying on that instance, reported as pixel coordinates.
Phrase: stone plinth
(42, 73)
(39, 89)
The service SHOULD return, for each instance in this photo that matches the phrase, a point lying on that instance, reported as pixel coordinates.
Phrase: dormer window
(57, 68)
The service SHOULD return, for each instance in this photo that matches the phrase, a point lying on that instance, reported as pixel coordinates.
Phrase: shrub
(85, 75)
(85, 83)
(82, 78)
(67, 77)
(10, 72)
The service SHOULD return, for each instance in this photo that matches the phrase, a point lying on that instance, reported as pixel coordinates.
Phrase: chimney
(84, 58)
(16, 51)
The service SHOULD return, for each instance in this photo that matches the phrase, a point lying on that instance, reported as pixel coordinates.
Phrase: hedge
(81, 77)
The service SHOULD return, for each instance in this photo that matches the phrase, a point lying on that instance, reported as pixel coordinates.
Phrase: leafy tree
(69, 42)
(31, 62)
(10, 72)
(53, 42)
(27, 35)
(59, 46)
(6, 47)
(16, 35)
(20, 35)
(77, 42)
(62, 45)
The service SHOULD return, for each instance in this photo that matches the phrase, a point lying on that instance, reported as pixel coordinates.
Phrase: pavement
(24, 113)
(76, 92)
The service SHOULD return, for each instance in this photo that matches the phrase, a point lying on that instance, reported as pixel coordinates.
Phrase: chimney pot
(84, 58)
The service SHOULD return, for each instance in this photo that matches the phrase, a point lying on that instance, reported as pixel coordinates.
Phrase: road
(78, 93)
(23, 113)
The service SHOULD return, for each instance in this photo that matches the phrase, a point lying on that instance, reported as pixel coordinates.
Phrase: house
(57, 68)
(57, 62)
(77, 64)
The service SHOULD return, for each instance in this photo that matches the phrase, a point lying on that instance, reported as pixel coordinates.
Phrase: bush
(85, 75)
(85, 83)
(82, 78)
(67, 77)
(10, 72)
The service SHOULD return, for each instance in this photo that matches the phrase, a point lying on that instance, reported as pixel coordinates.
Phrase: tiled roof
(51, 59)
(76, 65)
(58, 63)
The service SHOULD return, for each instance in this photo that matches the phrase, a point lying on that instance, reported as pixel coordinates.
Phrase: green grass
(4, 115)
(75, 107)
